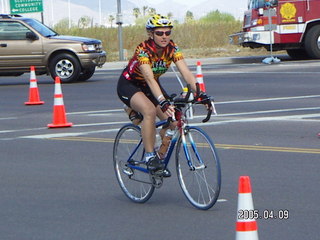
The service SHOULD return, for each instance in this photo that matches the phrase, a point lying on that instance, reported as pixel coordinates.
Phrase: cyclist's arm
(186, 73)
(190, 79)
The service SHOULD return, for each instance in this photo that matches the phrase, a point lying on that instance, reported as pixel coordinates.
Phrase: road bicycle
(196, 158)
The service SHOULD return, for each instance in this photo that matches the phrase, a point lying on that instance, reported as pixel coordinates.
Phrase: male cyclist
(139, 87)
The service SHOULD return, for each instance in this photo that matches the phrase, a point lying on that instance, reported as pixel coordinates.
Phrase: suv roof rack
(7, 16)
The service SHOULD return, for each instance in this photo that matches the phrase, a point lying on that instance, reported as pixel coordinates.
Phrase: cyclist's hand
(167, 108)
(205, 99)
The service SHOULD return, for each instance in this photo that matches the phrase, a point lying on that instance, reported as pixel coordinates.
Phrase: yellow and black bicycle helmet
(158, 21)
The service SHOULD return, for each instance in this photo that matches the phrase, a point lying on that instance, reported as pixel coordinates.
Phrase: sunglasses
(160, 33)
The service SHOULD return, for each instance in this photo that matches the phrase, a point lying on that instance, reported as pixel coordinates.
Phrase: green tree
(188, 17)
(84, 22)
(152, 11)
(136, 12)
(141, 21)
(144, 10)
(111, 19)
(216, 16)
(62, 24)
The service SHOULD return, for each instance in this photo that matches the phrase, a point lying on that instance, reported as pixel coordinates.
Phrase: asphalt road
(60, 183)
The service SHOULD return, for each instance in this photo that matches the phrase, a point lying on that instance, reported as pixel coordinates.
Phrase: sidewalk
(193, 61)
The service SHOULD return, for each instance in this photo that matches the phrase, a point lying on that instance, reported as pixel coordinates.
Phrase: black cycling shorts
(126, 89)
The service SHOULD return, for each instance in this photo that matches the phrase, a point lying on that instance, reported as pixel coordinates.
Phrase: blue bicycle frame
(169, 152)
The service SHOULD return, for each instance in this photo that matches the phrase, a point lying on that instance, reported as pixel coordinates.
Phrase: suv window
(12, 31)
(40, 28)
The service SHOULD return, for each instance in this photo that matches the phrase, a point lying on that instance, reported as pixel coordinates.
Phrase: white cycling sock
(149, 155)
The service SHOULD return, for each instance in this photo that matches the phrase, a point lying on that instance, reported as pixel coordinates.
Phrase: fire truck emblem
(288, 12)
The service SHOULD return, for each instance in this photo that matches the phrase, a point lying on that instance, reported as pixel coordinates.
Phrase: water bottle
(157, 142)
(165, 143)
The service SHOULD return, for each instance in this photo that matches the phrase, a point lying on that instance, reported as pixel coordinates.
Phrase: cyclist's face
(162, 36)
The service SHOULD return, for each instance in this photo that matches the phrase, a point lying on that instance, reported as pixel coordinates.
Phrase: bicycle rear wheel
(200, 177)
(128, 148)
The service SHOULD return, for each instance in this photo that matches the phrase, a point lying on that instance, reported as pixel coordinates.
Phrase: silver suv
(26, 42)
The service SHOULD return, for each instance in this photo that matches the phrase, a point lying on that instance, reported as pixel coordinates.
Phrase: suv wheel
(65, 66)
(86, 74)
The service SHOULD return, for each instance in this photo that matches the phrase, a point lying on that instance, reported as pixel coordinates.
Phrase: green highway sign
(25, 6)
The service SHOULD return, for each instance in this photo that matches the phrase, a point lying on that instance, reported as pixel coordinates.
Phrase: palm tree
(84, 22)
(144, 8)
(189, 16)
(136, 12)
(111, 19)
(152, 11)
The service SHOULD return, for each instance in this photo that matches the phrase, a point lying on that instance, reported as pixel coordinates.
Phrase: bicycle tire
(134, 183)
(200, 185)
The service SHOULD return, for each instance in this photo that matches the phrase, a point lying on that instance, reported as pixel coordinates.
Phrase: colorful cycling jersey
(146, 53)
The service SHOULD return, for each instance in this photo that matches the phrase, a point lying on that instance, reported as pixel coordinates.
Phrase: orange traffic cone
(246, 227)
(59, 114)
(34, 97)
(199, 77)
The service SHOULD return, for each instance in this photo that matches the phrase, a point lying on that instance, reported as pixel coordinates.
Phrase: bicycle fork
(192, 164)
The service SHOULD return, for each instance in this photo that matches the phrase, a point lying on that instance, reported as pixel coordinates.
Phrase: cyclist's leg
(131, 94)
(140, 103)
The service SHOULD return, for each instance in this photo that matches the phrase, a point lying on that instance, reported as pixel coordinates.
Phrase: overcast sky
(195, 2)
(185, 2)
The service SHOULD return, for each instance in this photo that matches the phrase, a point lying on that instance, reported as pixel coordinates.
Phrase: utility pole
(119, 23)
(69, 13)
(100, 14)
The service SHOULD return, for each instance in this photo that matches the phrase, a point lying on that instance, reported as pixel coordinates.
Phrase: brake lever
(208, 115)
(210, 110)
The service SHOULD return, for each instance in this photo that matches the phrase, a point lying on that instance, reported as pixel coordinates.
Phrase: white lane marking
(21, 130)
(8, 118)
(100, 124)
(262, 119)
(75, 134)
(74, 126)
(269, 99)
(249, 71)
(270, 111)
(97, 111)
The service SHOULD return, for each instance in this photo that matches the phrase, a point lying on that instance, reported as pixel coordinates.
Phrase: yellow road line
(221, 146)
(269, 148)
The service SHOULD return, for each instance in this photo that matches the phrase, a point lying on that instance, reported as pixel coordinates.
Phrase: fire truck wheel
(298, 54)
(312, 42)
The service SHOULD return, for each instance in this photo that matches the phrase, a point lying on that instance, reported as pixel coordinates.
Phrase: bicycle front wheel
(198, 168)
(128, 150)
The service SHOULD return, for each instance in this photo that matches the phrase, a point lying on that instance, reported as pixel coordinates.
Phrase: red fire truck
(291, 25)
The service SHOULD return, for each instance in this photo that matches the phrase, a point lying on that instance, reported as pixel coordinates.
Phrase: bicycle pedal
(128, 172)
(134, 162)
(158, 173)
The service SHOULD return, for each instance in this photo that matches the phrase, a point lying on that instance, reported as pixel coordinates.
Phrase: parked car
(26, 42)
